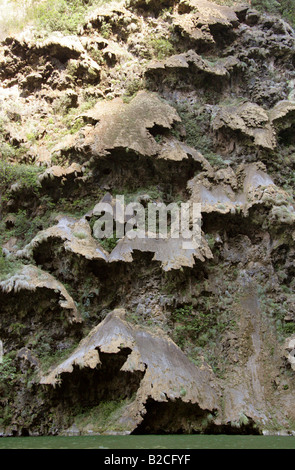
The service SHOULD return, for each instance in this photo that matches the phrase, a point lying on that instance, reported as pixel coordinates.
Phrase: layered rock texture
(160, 103)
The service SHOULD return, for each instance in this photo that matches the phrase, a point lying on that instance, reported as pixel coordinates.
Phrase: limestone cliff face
(160, 102)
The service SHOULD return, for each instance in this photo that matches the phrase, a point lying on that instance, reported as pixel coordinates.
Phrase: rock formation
(158, 103)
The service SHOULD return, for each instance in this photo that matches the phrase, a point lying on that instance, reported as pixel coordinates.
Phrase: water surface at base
(150, 442)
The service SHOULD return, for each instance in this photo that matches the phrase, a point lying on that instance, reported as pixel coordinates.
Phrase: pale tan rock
(282, 115)
(109, 12)
(289, 350)
(232, 193)
(31, 278)
(227, 176)
(115, 51)
(76, 237)
(42, 156)
(211, 13)
(60, 46)
(60, 173)
(168, 374)
(173, 149)
(118, 125)
(67, 142)
(203, 14)
(193, 61)
(249, 119)
(173, 253)
(11, 245)
(154, 5)
(121, 125)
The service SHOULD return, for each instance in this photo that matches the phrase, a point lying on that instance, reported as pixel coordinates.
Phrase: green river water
(150, 442)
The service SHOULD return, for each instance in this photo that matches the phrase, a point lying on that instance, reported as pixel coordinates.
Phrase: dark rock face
(159, 102)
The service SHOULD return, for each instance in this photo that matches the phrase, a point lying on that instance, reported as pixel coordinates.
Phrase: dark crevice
(126, 169)
(21, 315)
(223, 36)
(171, 417)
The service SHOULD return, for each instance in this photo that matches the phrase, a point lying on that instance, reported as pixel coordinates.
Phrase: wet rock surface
(162, 103)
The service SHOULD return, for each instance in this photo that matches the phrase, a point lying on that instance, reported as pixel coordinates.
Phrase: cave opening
(178, 417)
(171, 417)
